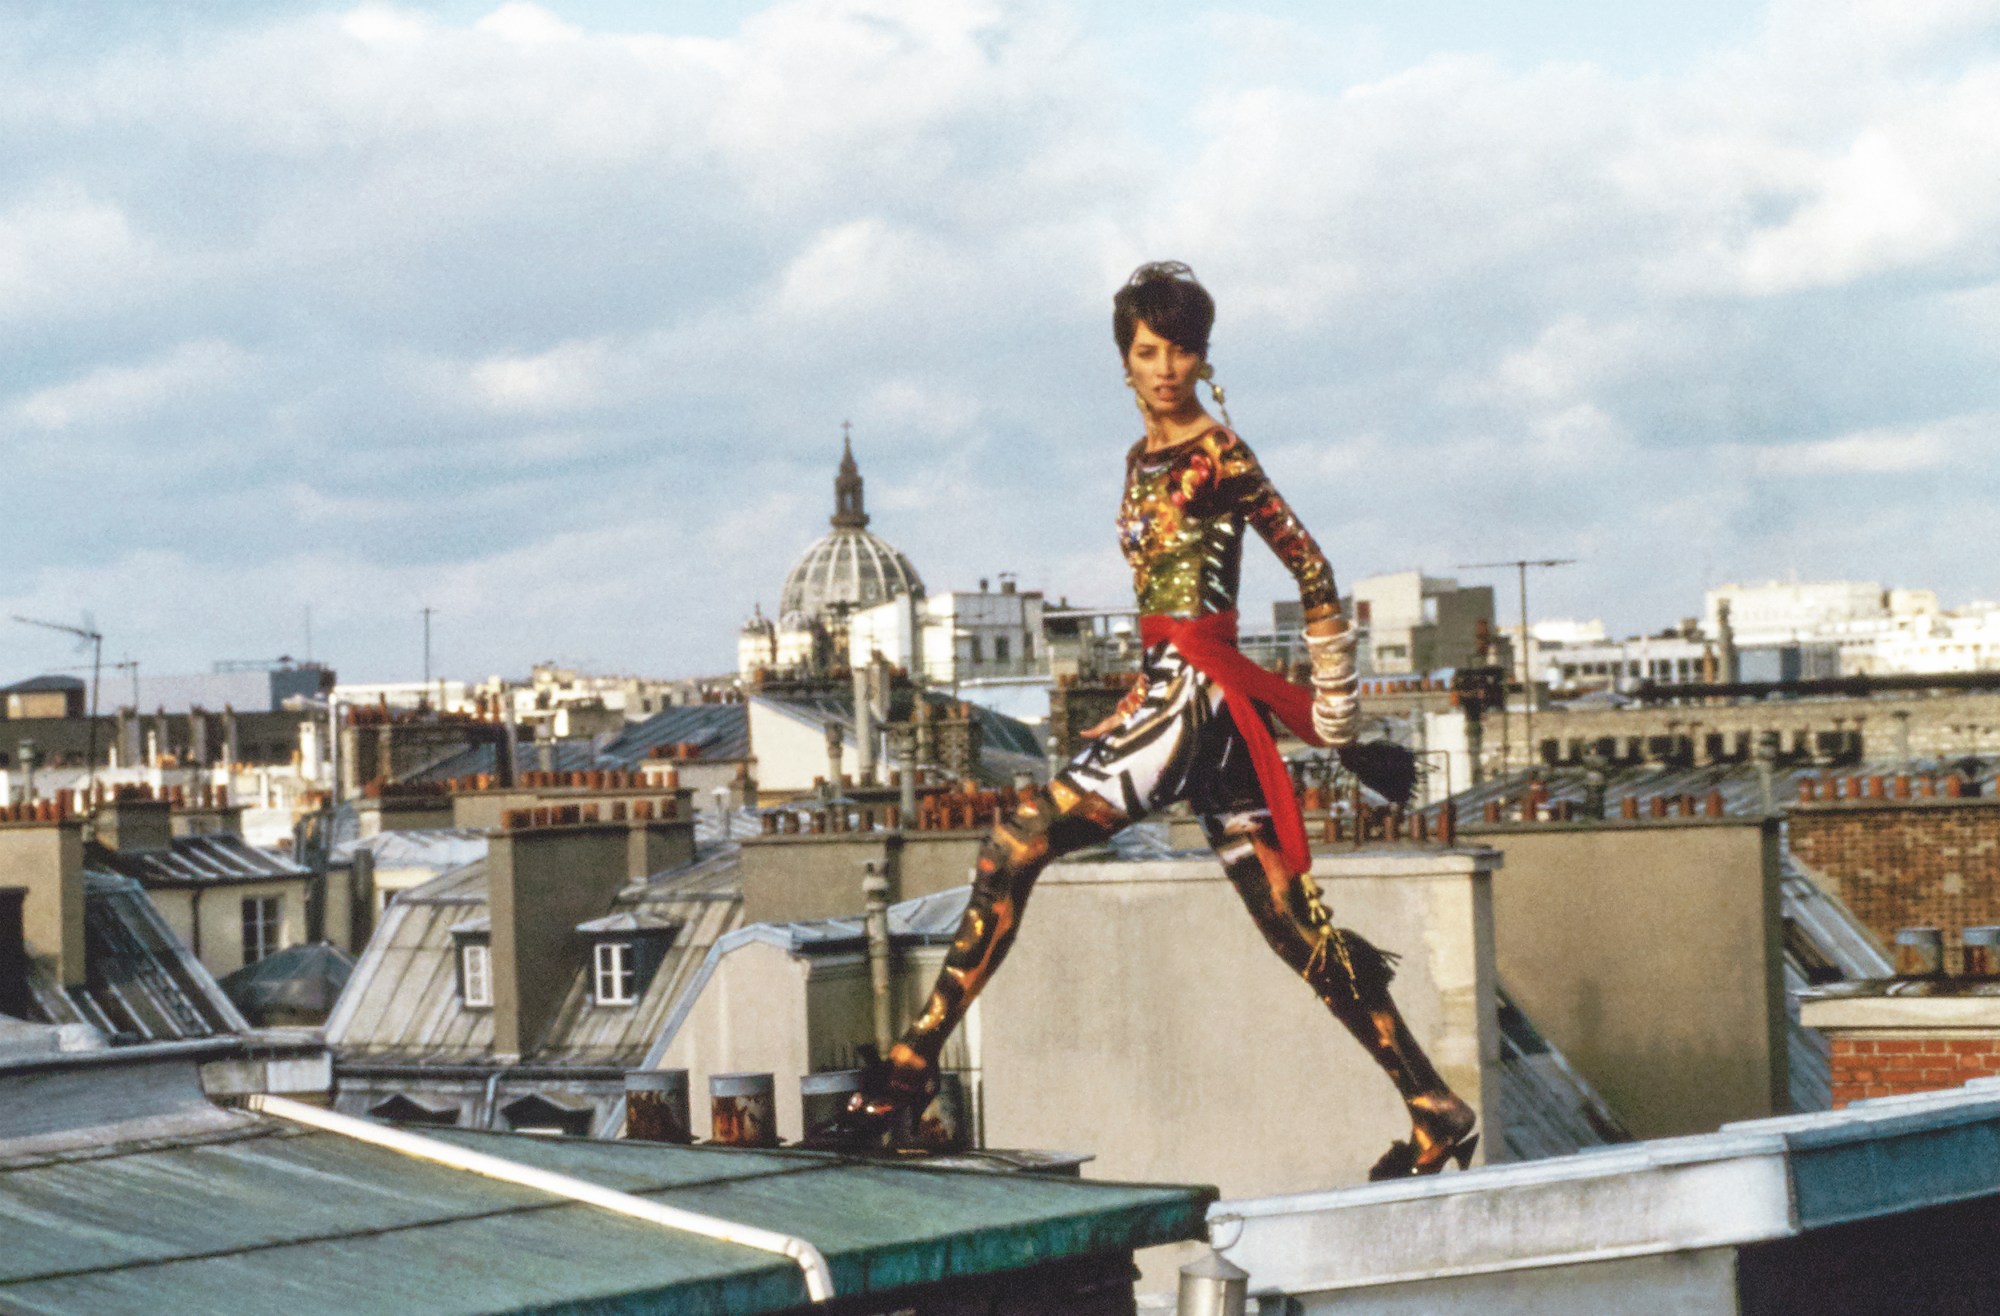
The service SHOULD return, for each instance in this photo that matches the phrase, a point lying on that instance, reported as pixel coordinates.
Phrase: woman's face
(1163, 373)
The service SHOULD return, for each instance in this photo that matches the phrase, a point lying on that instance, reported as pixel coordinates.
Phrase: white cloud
(122, 394)
(510, 288)
(566, 377)
(1886, 451)
(60, 244)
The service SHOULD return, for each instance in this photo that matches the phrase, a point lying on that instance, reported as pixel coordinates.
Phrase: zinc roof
(433, 847)
(402, 997)
(402, 1004)
(191, 860)
(271, 1220)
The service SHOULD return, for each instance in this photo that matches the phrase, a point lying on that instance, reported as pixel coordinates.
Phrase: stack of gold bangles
(1336, 711)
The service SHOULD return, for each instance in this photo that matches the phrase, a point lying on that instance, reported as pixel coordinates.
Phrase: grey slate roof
(1739, 783)
(44, 685)
(720, 733)
(1823, 943)
(1547, 1108)
(1007, 745)
(198, 861)
(143, 984)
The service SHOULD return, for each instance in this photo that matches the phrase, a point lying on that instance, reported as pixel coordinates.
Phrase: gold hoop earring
(1207, 372)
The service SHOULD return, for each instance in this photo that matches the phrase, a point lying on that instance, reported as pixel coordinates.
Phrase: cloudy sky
(548, 316)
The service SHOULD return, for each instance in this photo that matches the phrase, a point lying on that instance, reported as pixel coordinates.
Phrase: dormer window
(626, 950)
(475, 974)
(617, 973)
(472, 947)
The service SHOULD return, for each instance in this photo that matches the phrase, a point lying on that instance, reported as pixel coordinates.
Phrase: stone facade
(1901, 863)
(1828, 731)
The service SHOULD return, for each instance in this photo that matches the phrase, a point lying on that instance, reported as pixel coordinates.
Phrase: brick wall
(1893, 1066)
(1907, 863)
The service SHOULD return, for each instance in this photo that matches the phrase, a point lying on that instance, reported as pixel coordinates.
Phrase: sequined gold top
(1181, 526)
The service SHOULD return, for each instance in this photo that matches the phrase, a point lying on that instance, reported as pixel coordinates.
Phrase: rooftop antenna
(131, 665)
(86, 634)
(1521, 565)
(427, 613)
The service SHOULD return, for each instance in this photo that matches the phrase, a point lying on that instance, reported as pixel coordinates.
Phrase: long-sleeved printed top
(1181, 526)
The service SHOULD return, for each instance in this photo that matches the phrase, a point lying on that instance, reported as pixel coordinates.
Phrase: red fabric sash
(1209, 645)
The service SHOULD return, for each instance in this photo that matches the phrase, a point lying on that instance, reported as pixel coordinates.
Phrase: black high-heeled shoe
(1450, 1140)
(880, 1116)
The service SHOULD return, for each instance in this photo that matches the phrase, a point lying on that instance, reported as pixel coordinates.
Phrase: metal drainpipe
(194, 919)
(818, 1279)
(489, 1103)
(875, 903)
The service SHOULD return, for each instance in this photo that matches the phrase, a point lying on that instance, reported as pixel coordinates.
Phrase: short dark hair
(1172, 303)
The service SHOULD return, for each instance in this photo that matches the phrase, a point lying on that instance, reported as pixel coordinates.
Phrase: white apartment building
(1603, 664)
(959, 636)
(1967, 640)
(1416, 624)
(1867, 630)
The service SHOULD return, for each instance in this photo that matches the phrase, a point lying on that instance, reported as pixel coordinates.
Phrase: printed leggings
(1180, 743)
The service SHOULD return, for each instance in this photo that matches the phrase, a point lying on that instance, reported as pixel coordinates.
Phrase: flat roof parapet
(1744, 1184)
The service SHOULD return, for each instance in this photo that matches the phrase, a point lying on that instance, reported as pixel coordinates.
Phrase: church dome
(848, 566)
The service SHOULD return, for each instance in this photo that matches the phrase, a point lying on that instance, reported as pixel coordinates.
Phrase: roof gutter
(818, 1279)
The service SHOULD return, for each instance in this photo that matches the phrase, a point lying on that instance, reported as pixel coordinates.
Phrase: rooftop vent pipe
(875, 907)
(1982, 951)
(1919, 953)
(1212, 1286)
(743, 1109)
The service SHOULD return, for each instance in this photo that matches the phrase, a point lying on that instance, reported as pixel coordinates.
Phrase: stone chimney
(132, 824)
(541, 882)
(41, 855)
(657, 844)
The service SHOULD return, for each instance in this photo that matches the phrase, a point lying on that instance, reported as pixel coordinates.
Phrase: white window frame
(268, 925)
(615, 973)
(475, 970)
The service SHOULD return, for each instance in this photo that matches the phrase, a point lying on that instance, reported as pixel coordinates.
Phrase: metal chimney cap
(656, 1080)
(829, 1081)
(1214, 1266)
